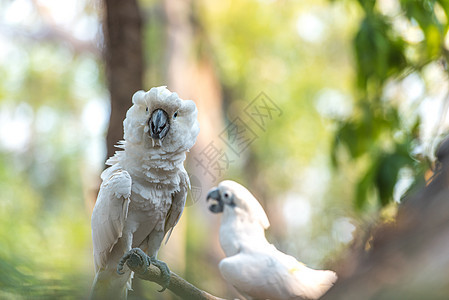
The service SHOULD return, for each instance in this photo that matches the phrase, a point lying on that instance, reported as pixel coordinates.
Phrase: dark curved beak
(158, 123)
(217, 204)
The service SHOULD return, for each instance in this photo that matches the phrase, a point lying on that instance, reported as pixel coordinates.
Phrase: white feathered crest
(184, 127)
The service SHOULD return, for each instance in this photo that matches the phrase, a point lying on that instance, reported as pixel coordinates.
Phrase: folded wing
(110, 212)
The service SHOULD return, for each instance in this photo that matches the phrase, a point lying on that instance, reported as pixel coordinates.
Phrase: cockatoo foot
(133, 258)
(136, 258)
(165, 272)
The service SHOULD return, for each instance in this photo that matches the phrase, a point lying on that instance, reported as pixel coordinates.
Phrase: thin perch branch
(178, 285)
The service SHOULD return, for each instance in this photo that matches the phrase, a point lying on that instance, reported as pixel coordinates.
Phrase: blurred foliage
(44, 224)
(378, 131)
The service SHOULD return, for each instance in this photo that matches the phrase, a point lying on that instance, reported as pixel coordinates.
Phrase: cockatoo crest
(181, 118)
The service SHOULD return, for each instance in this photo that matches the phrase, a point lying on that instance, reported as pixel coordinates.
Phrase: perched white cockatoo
(254, 266)
(144, 190)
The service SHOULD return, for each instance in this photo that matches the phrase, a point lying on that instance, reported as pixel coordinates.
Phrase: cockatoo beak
(159, 124)
(217, 204)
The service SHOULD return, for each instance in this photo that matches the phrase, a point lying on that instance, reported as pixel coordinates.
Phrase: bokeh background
(328, 111)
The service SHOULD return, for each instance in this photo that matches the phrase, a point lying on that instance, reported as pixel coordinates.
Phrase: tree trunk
(124, 62)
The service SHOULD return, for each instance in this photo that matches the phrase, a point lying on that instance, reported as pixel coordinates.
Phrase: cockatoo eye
(228, 199)
(175, 115)
(146, 109)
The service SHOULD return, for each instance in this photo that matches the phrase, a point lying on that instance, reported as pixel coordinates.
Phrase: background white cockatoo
(144, 190)
(254, 266)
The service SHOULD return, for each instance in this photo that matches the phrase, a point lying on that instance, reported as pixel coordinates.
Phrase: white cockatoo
(144, 190)
(254, 266)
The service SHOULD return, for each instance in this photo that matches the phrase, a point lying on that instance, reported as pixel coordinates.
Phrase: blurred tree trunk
(124, 62)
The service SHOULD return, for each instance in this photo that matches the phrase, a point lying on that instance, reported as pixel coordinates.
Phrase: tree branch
(178, 285)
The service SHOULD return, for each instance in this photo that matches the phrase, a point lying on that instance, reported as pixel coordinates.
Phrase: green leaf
(387, 175)
(379, 53)
(364, 186)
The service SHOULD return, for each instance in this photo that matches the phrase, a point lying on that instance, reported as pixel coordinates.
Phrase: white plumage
(254, 266)
(144, 190)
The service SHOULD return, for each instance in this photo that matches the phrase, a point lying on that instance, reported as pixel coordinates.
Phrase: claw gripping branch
(151, 269)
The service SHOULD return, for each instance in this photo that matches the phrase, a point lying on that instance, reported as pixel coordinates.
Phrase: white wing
(177, 206)
(256, 275)
(110, 212)
(304, 281)
(261, 275)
